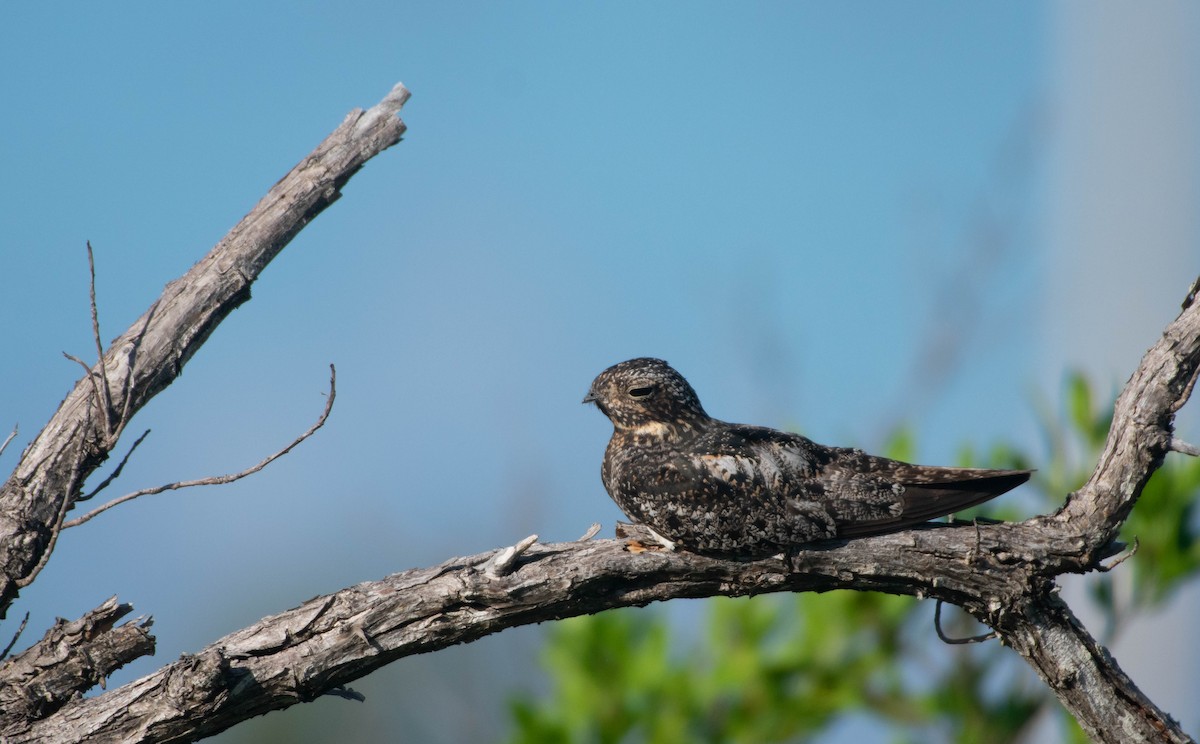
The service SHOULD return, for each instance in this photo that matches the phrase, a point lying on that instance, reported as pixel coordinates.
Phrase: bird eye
(641, 392)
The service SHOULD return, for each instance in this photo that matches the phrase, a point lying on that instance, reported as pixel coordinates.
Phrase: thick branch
(152, 352)
(1141, 432)
(1085, 677)
(71, 659)
(332, 640)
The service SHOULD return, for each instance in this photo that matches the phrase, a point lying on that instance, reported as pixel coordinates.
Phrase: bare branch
(347, 693)
(11, 436)
(97, 397)
(116, 473)
(72, 658)
(110, 433)
(214, 480)
(1140, 434)
(17, 635)
(941, 634)
(330, 641)
(56, 528)
(1178, 445)
(506, 560)
(152, 352)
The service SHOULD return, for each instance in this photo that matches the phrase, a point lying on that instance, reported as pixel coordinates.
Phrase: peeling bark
(72, 658)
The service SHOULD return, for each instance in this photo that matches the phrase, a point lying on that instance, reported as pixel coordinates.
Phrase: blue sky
(828, 216)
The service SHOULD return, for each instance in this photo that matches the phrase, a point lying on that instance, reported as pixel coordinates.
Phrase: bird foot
(641, 539)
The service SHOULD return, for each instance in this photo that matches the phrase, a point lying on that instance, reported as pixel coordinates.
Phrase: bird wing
(758, 482)
(832, 491)
(870, 495)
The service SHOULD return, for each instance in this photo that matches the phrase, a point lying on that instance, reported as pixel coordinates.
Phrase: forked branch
(216, 479)
(153, 351)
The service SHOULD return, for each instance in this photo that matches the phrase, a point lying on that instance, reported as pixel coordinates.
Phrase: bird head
(641, 393)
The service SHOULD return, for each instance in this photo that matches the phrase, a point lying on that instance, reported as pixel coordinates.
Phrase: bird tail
(930, 493)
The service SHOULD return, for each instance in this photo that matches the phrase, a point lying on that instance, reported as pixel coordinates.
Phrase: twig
(130, 366)
(13, 642)
(9, 438)
(116, 473)
(91, 376)
(109, 431)
(506, 560)
(591, 532)
(56, 528)
(220, 479)
(1191, 295)
(347, 693)
(1119, 558)
(1177, 445)
(937, 625)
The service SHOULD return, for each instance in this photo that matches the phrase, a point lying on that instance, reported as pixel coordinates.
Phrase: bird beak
(589, 398)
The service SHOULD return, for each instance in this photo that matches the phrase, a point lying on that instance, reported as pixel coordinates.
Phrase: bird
(712, 487)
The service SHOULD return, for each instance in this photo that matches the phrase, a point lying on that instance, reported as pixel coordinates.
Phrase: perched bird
(731, 489)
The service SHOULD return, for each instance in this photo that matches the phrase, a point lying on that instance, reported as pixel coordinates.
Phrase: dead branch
(11, 436)
(153, 351)
(116, 473)
(16, 636)
(110, 432)
(213, 480)
(72, 658)
(332, 640)
(1178, 445)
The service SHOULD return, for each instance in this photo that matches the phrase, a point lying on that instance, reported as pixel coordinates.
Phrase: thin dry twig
(91, 376)
(12, 435)
(109, 431)
(1177, 445)
(116, 473)
(57, 528)
(937, 626)
(346, 693)
(1119, 558)
(505, 561)
(220, 479)
(13, 642)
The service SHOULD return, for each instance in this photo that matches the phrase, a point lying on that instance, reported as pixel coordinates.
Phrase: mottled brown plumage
(710, 486)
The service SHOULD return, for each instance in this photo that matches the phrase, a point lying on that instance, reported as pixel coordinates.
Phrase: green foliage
(785, 668)
(766, 669)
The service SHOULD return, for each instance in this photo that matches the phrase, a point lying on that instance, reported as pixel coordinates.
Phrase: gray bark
(147, 357)
(1003, 574)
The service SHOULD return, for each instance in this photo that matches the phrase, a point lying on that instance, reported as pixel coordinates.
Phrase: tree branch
(213, 480)
(1000, 573)
(153, 351)
(71, 659)
(332, 640)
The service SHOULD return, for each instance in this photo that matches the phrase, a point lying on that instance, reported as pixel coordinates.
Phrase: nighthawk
(731, 489)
